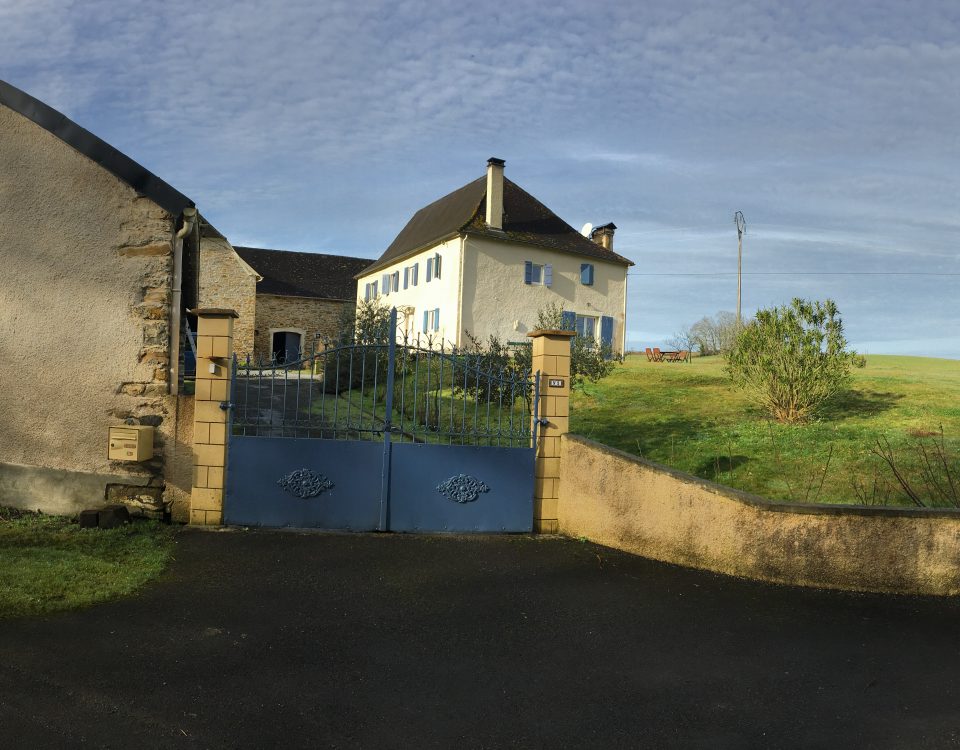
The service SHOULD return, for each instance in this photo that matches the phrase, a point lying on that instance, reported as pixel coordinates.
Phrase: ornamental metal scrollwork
(305, 483)
(462, 488)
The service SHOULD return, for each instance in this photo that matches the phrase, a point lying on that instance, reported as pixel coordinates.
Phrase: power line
(802, 273)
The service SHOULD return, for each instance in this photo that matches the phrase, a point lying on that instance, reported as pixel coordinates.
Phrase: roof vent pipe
(495, 193)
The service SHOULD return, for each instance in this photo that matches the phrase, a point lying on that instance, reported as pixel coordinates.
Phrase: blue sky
(323, 126)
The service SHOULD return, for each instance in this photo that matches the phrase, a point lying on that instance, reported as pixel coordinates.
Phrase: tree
(793, 358)
(713, 335)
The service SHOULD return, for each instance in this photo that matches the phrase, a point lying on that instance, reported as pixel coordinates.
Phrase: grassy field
(689, 417)
(51, 564)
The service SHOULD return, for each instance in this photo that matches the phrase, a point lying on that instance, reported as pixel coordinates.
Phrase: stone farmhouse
(487, 257)
(288, 302)
(301, 299)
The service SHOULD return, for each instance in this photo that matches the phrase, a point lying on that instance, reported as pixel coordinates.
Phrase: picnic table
(656, 355)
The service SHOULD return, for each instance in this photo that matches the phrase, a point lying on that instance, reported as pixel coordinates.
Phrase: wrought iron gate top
(416, 390)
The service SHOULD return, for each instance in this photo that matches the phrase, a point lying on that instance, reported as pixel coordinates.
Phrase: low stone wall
(622, 501)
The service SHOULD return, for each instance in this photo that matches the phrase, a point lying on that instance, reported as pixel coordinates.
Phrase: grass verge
(51, 564)
(689, 416)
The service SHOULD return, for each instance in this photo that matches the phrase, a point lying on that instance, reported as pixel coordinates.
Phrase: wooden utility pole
(741, 228)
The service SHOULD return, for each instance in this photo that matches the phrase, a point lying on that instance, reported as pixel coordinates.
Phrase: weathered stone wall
(622, 501)
(84, 331)
(313, 316)
(227, 282)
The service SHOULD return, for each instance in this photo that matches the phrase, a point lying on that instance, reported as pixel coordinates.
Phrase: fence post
(551, 356)
(210, 417)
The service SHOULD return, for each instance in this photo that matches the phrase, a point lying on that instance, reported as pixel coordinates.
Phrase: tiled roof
(293, 274)
(525, 220)
(119, 164)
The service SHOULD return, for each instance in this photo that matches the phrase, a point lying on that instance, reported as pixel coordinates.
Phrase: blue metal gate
(381, 435)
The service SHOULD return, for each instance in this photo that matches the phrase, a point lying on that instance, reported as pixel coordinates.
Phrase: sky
(323, 126)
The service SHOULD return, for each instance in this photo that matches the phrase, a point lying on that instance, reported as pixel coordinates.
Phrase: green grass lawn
(50, 564)
(688, 416)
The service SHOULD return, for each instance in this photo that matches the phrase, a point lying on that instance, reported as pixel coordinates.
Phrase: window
(587, 327)
(406, 277)
(586, 274)
(537, 274)
(370, 291)
(413, 274)
(396, 281)
(433, 267)
(431, 319)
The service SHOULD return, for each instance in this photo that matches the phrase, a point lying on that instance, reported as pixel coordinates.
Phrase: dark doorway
(285, 347)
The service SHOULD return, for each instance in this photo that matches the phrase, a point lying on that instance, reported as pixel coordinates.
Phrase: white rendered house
(487, 257)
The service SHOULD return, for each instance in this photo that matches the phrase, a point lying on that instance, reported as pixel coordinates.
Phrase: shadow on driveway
(284, 639)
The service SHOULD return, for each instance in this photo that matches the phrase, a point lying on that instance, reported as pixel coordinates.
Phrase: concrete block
(219, 390)
(209, 455)
(89, 519)
(215, 326)
(545, 487)
(221, 347)
(215, 477)
(201, 476)
(546, 525)
(202, 390)
(545, 508)
(547, 467)
(201, 433)
(202, 498)
(218, 434)
(204, 348)
(208, 411)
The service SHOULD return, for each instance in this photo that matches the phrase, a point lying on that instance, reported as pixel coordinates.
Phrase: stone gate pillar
(551, 356)
(214, 362)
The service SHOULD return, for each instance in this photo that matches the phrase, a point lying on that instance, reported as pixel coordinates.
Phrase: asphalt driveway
(281, 639)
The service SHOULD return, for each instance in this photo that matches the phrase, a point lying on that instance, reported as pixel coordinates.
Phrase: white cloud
(831, 128)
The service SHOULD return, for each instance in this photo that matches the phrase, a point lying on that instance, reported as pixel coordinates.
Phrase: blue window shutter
(436, 266)
(426, 320)
(406, 276)
(366, 293)
(606, 330)
(429, 268)
(527, 272)
(568, 320)
(416, 266)
(586, 274)
(385, 281)
(548, 275)
(436, 319)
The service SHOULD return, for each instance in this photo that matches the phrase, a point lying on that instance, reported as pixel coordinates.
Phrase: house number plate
(556, 382)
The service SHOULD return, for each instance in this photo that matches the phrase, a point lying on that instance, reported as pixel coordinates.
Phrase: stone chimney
(495, 193)
(603, 235)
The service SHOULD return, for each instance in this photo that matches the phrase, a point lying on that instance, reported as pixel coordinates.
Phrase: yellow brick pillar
(214, 361)
(551, 356)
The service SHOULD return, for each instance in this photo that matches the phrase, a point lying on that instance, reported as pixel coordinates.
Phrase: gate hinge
(543, 421)
(226, 405)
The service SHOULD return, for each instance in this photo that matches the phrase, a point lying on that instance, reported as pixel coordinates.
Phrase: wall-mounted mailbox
(130, 443)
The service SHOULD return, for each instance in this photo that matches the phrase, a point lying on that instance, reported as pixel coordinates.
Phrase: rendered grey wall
(84, 341)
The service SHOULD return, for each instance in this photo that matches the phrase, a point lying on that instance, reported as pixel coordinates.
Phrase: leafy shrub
(793, 358)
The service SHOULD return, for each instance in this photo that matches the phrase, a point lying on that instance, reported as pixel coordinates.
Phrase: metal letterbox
(130, 443)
